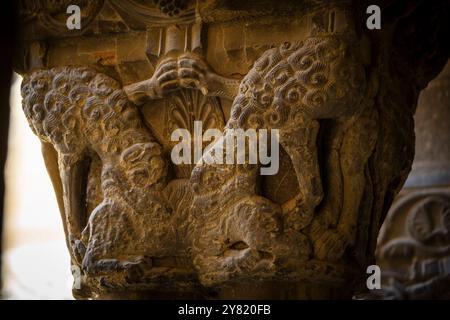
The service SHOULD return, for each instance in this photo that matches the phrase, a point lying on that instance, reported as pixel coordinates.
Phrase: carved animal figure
(289, 88)
(101, 145)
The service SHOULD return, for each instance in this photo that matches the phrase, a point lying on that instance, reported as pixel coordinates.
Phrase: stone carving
(289, 88)
(171, 8)
(136, 222)
(182, 110)
(416, 262)
(100, 139)
(185, 70)
(50, 14)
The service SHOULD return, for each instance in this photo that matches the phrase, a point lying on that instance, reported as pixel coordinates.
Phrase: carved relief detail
(88, 119)
(414, 245)
(51, 15)
(290, 88)
(342, 99)
(184, 107)
(230, 231)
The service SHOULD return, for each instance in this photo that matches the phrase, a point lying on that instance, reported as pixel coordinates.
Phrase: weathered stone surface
(104, 101)
(414, 242)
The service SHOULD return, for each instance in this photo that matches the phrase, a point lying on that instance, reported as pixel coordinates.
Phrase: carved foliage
(184, 107)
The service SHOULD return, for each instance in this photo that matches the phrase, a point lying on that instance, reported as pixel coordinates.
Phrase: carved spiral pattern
(312, 79)
(77, 108)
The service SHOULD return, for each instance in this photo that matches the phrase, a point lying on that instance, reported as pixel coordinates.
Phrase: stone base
(273, 290)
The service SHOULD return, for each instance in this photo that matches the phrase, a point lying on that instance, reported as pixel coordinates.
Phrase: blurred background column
(414, 242)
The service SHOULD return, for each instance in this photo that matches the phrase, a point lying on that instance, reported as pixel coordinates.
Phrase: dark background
(7, 35)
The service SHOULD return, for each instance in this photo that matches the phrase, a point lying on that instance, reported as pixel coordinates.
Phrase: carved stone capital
(139, 225)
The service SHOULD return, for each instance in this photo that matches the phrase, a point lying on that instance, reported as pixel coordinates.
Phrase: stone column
(414, 242)
(105, 100)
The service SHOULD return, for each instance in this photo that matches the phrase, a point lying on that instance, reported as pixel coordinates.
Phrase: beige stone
(104, 101)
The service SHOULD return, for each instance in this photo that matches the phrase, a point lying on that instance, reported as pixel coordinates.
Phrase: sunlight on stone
(36, 261)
